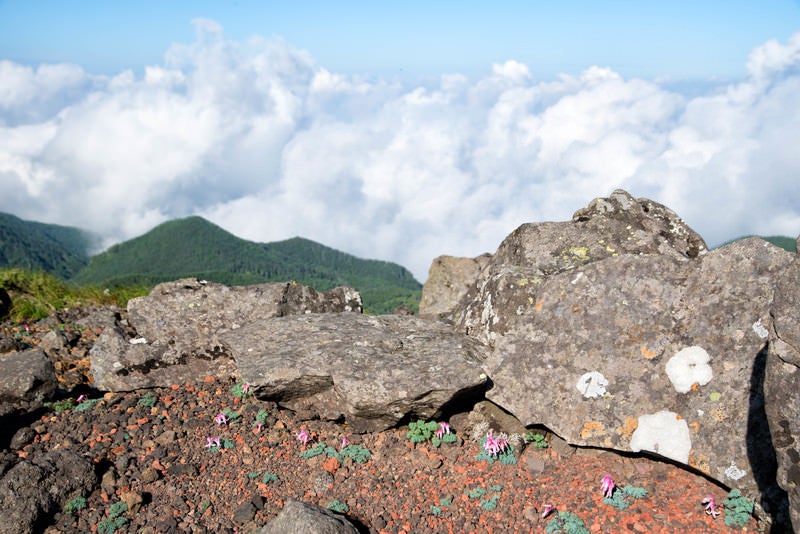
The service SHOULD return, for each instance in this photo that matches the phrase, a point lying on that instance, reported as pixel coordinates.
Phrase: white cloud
(259, 139)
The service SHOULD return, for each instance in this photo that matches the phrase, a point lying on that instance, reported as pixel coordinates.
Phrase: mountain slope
(58, 250)
(196, 247)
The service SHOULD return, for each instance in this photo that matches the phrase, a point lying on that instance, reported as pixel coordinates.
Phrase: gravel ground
(151, 452)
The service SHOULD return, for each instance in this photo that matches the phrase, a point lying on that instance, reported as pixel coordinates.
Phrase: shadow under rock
(761, 453)
(16, 419)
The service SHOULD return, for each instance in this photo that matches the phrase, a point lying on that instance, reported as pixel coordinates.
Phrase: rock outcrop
(31, 490)
(302, 518)
(782, 373)
(373, 371)
(170, 336)
(449, 280)
(619, 330)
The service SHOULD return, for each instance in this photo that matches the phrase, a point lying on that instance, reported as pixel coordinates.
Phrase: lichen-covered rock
(35, 488)
(374, 370)
(449, 280)
(782, 375)
(26, 375)
(302, 518)
(171, 335)
(600, 323)
(610, 227)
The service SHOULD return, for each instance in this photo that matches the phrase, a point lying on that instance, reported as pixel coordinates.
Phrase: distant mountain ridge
(195, 247)
(58, 250)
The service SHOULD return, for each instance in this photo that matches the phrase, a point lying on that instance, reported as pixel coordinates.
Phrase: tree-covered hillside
(195, 247)
(58, 250)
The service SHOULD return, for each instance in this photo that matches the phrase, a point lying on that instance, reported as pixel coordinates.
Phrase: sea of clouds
(259, 139)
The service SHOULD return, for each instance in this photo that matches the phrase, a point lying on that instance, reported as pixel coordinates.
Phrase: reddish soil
(158, 453)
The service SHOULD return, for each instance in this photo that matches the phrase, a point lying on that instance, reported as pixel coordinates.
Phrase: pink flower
(221, 419)
(494, 445)
(245, 388)
(711, 506)
(303, 437)
(259, 425)
(344, 442)
(81, 398)
(444, 428)
(608, 485)
(547, 510)
(212, 442)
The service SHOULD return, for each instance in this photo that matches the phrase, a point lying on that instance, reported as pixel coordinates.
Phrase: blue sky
(398, 132)
(694, 40)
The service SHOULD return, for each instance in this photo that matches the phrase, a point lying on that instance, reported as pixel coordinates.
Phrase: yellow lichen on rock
(582, 253)
(647, 353)
(701, 463)
(592, 429)
(627, 428)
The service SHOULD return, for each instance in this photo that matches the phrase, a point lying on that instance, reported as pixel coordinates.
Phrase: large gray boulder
(171, 335)
(26, 375)
(34, 489)
(619, 330)
(782, 375)
(374, 370)
(302, 518)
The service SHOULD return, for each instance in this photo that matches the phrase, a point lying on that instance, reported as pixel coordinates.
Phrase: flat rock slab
(373, 370)
(171, 335)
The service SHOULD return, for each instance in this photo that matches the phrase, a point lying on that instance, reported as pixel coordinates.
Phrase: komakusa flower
(344, 442)
(711, 506)
(494, 445)
(547, 509)
(221, 419)
(444, 428)
(81, 398)
(607, 485)
(213, 442)
(303, 437)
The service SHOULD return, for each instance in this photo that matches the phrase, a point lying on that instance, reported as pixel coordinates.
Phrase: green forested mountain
(59, 250)
(198, 248)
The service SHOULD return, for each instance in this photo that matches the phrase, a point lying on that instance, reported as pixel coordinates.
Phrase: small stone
(166, 438)
(244, 513)
(322, 481)
(22, 437)
(149, 475)
(535, 464)
(133, 499)
(182, 469)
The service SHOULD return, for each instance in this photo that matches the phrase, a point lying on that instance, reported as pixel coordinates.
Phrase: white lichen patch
(687, 367)
(733, 472)
(665, 433)
(760, 330)
(592, 385)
